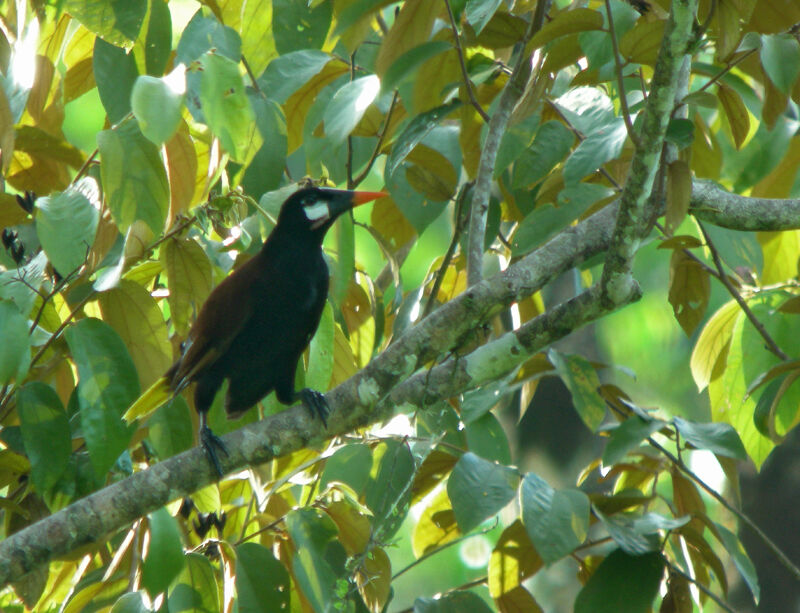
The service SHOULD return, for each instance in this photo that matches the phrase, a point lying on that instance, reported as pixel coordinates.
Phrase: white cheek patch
(318, 211)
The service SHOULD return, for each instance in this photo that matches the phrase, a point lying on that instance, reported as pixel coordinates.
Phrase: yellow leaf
(689, 291)
(641, 43)
(297, 106)
(375, 579)
(436, 77)
(513, 560)
(354, 526)
(412, 26)
(389, 220)
(344, 362)
(679, 192)
(181, 164)
(778, 183)
(706, 152)
(436, 526)
(781, 251)
(189, 278)
(78, 80)
(736, 112)
(567, 22)
(711, 349)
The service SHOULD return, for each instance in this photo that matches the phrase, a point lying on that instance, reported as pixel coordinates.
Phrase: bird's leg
(316, 403)
(211, 443)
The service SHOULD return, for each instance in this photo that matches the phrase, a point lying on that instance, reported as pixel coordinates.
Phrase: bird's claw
(317, 404)
(211, 443)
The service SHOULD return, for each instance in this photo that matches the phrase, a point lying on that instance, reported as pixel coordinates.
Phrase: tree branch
(509, 97)
(617, 276)
(353, 402)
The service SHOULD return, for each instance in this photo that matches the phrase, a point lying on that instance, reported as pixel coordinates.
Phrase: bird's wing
(222, 317)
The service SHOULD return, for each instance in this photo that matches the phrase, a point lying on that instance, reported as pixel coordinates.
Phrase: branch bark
(617, 278)
(508, 99)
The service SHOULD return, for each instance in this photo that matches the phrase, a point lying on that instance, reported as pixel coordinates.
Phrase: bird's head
(314, 209)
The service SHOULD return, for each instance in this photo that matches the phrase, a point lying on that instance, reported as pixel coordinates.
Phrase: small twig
(787, 563)
(440, 548)
(379, 145)
(771, 344)
(451, 249)
(464, 73)
(349, 161)
(251, 75)
(85, 166)
(721, 603)
(623, 99)
(512, 92)
(727, 69)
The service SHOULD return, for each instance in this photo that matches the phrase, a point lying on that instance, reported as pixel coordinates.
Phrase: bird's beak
(362, 197)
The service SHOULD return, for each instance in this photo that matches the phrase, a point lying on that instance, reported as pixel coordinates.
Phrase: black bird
(254, 326)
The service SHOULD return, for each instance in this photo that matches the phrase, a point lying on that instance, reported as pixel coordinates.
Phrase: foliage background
(108, 281)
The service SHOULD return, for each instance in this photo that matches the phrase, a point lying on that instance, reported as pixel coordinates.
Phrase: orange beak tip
(362, 197)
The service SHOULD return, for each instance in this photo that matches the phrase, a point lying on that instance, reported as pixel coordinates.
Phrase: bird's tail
(156, 395)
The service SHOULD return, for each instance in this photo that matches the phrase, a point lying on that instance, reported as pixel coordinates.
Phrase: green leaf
(479, 12)
(516, 140)
(115, 73)
(45, 432)
(225, 105)
(389, 488)
(288, 73)
(713, 343)
(602, 145)
(165, 557)
(719, 438)
(202, 34)
(320, 354)
(296, 25)
(132, 602)
(116, 21)
(107, 385)
(158, 43)
(680, 132)
(551, 144)
(627, 436)
(545, 221)
(15, 348)
(487, 439)
(311, 532)
(582, 382)
(453, 602)
(189, 276)
(780, 57)
(639, 535)
(556, 521)
(66, 223)
(265, 170)
(196, 587)
(740, 558)
(20, 286)
(405, 65)
(134, 180)
(478, 489)
(262, 582)
(622, 582)
(157, 104)
(351, 465)
(348, 106)
(417, 129)
(136, 317)
(170, 428)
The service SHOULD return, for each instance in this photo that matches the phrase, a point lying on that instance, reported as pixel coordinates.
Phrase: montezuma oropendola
(254, 325)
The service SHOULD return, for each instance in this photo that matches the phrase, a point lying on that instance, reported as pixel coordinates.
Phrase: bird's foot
(317, 403)
(211, 443)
